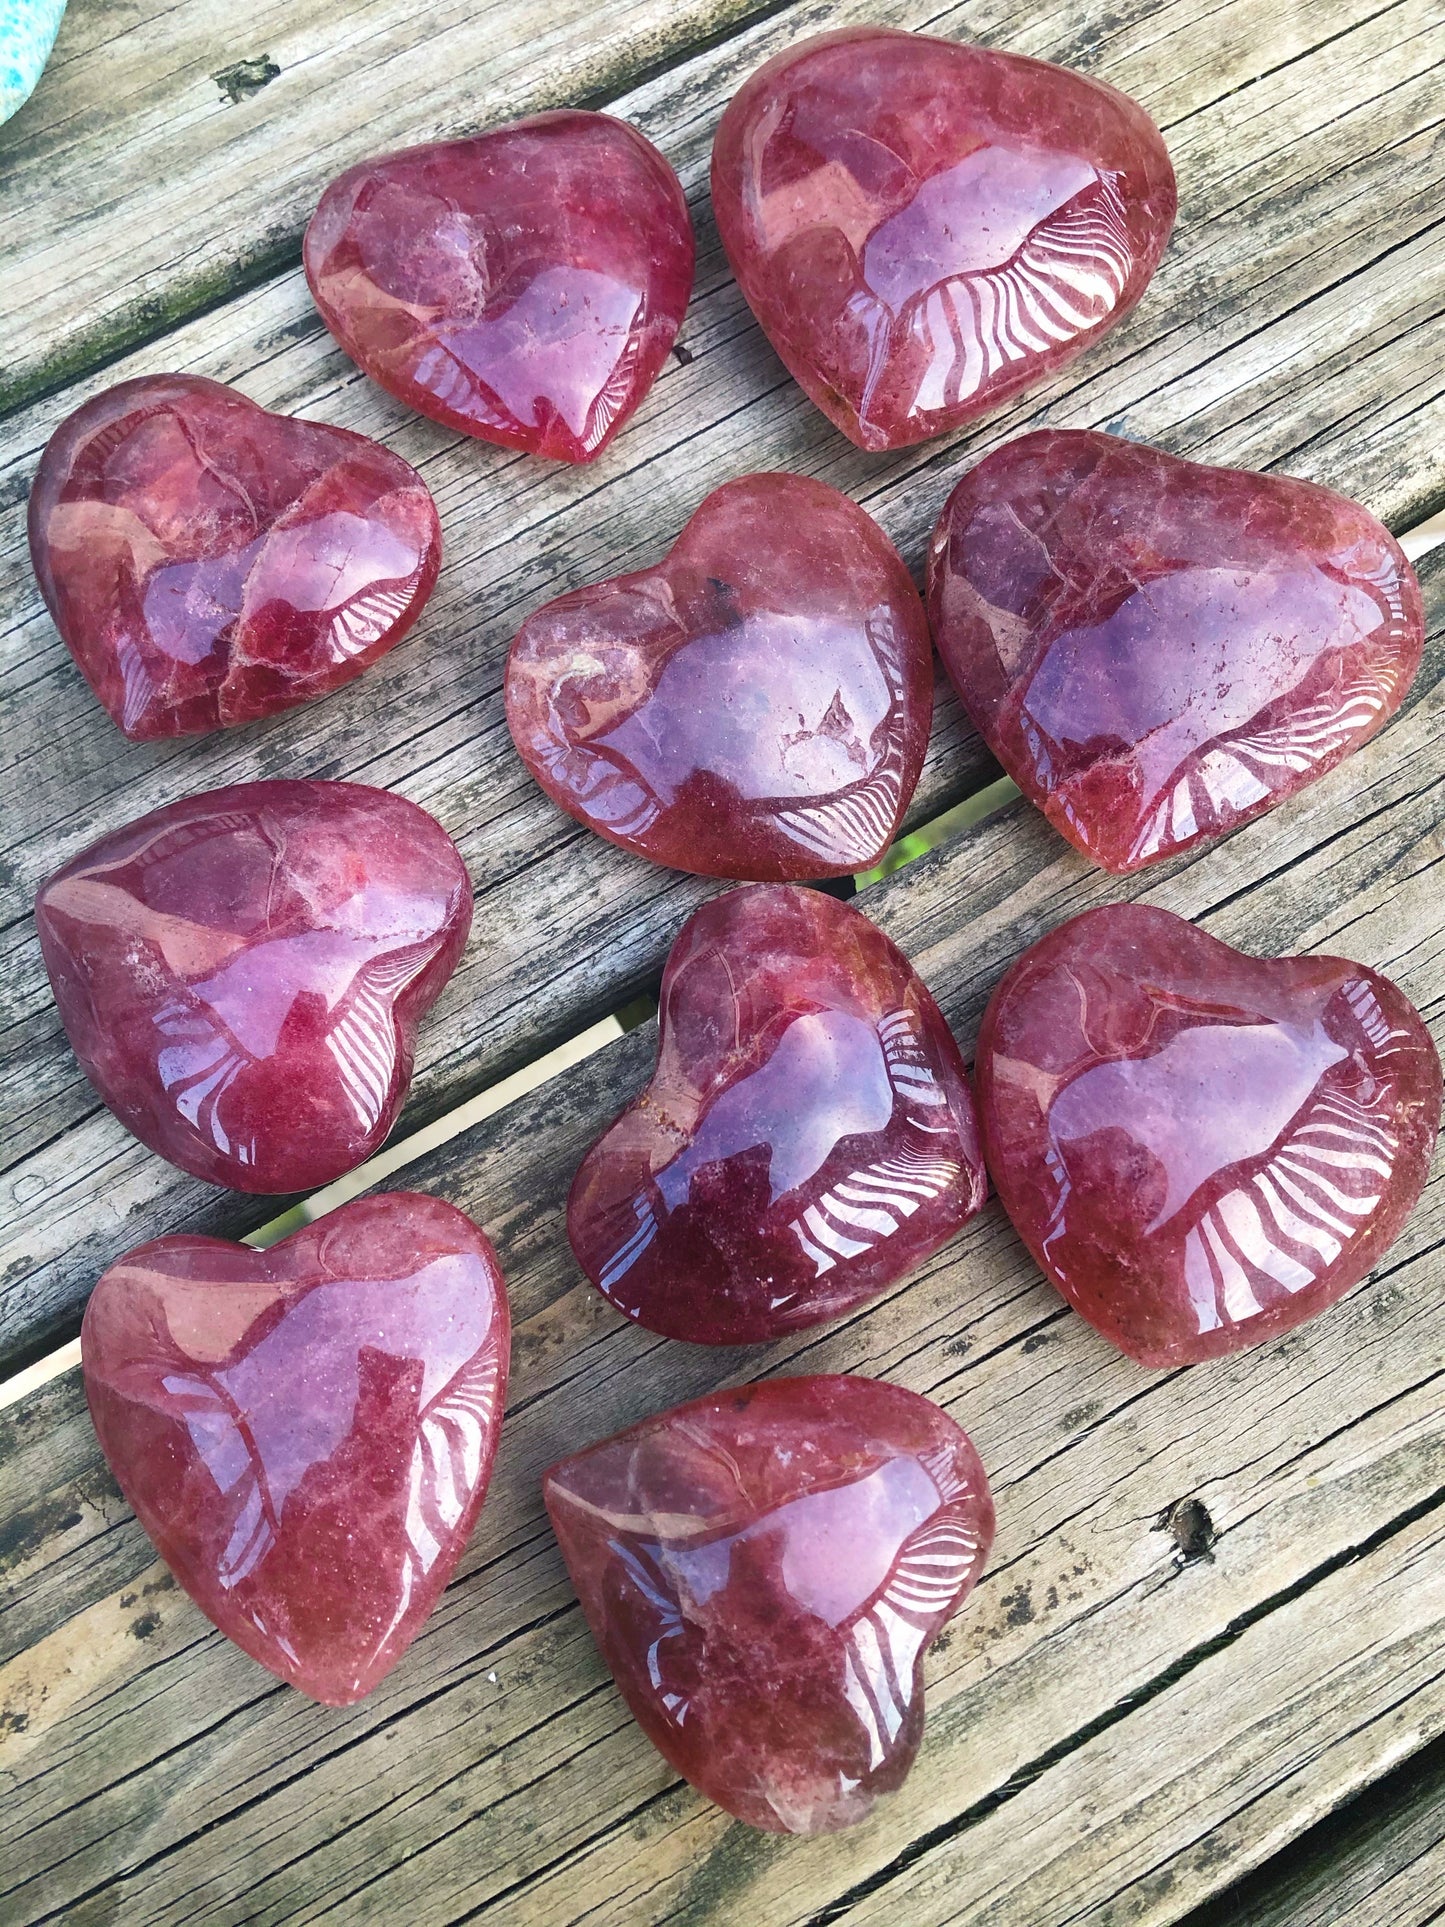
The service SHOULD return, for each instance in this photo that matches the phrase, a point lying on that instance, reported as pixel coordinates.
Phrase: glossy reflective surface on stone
(208, 563)
(523, 285)
(241, 974)
(757, 705)
(923, 229)
(762, 1571)
(807, 1137)
(1200, 1148)
(306, 1433)
(1156, 650)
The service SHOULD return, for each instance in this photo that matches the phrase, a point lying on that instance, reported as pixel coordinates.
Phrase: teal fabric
(27, 33)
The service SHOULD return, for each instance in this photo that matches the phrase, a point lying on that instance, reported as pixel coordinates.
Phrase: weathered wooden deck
(1118, 1733)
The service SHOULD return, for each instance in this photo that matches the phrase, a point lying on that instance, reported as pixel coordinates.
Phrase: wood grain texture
(1114, 1733)
(1307, 281)
(1378, 1863)
(138, 187)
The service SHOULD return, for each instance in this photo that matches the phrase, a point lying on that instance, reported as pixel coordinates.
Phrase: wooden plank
(152, 1772)
(1325, 1692)
(137, 188)
(1279, 318)
(1379, 1863)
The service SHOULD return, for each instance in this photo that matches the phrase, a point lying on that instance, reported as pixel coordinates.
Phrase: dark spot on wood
(1018, 1607)
(1189, 1525)
(1051, 1598)
(1037, 1342)
(164, 1583)
(245, 77)
(1213, 1851)
(27, 1532)
(12, 1722)
(683, 356)
(956, 1348)
(143, 1627)
(127, 1599)
(943, 1641)
(1078, 1415)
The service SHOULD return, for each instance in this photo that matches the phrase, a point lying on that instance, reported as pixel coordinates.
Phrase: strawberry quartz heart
(762, 1571)
(757, 705)
(807, 1137)
(306, 1433)
(924, 229)
(1156, 651)
(1201, 1149)
(523, 285)
(208, 563)
(241, 974)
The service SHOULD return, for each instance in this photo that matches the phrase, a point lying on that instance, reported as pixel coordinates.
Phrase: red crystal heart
(1155, 650)
(523, 285)
(807, 1137)
(1201, 1149)
(924, 229)
(306, 1433)
(208, 563)
(241, 974)
(757, 705)
(762, 1571)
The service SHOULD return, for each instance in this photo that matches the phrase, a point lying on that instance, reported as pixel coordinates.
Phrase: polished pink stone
(523, 285)
(1201, 1149)
(1155, 650)
(208, 563)
(762, 1571)
(757, 705)
(306, 1433)
(806, 1139)
(924, 229)
(241, 974)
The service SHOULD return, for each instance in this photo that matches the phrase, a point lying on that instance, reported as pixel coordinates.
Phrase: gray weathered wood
(137, 189)
(1316, 1698)
(1306, 279)
(1377, 1863)
(1102, 1717)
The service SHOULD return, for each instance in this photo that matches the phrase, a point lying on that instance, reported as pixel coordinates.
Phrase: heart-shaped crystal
(1200, 1148)
(757, 705)
(523, 285)
(762, 1570)
(306, 1433)
(1156, 650)
(807, 1137)
(924, 229)
(208, 563)
(241, 974)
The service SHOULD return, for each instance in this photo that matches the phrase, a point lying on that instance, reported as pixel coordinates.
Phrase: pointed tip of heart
(306, 1433)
